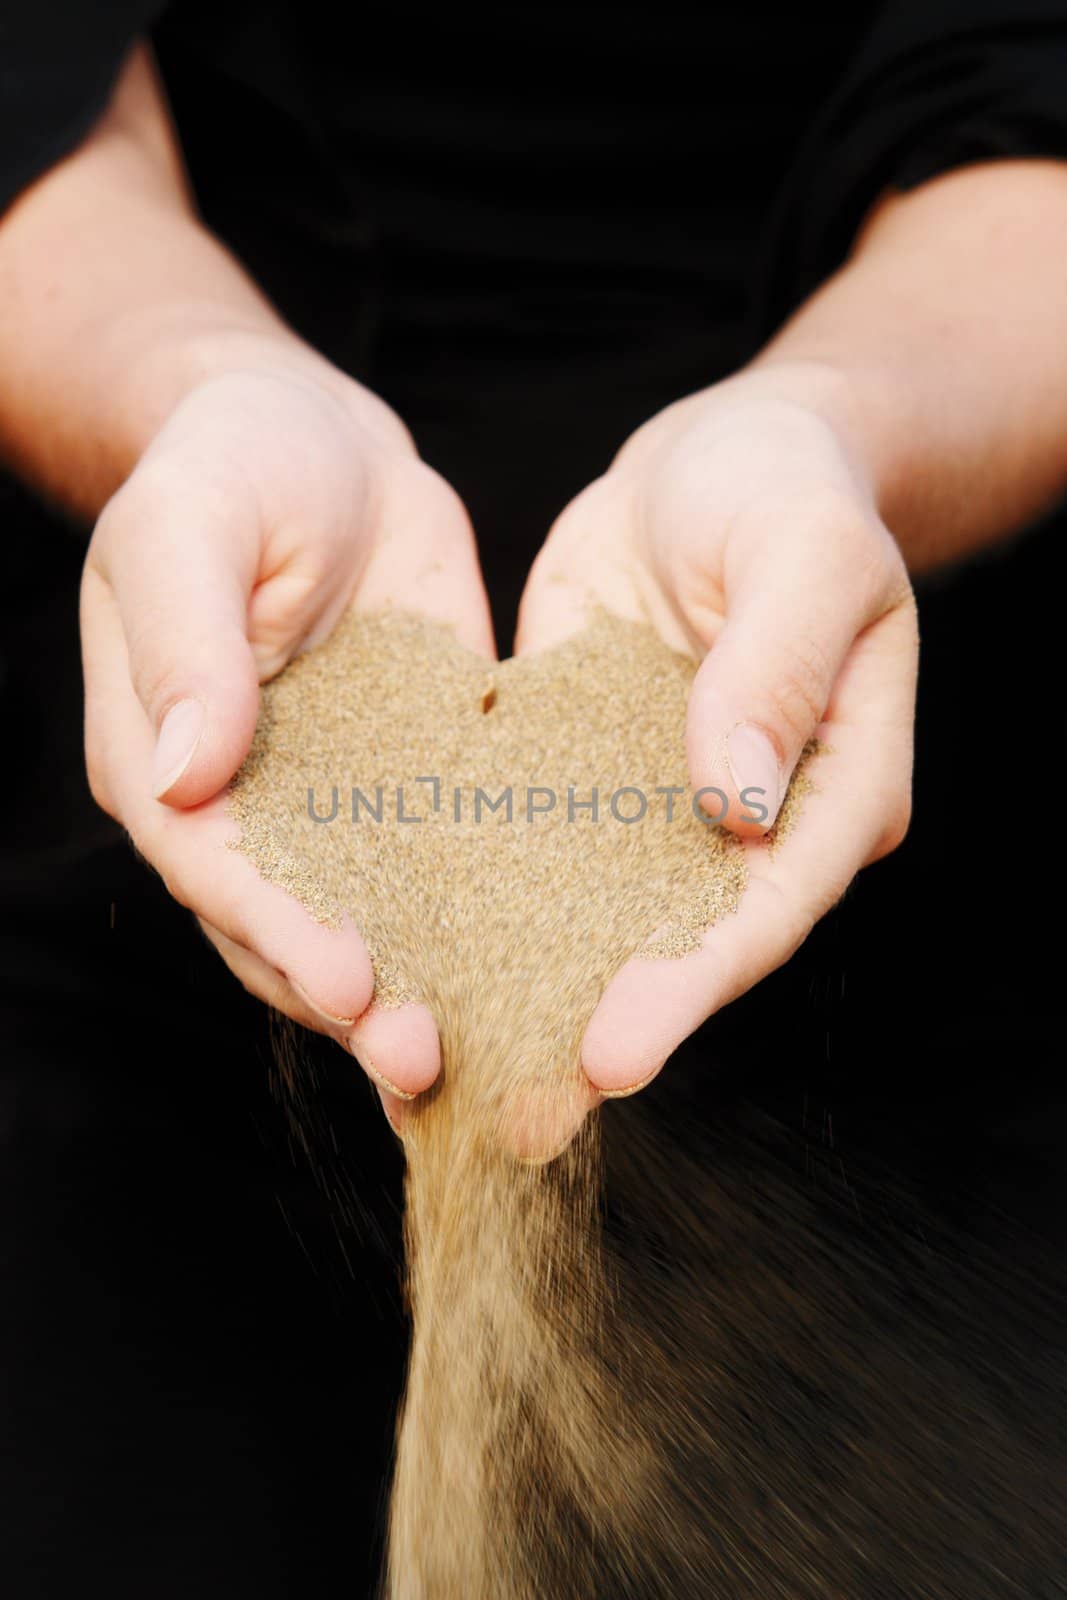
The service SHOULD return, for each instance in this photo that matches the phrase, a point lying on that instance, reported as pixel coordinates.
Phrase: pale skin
(245, 493)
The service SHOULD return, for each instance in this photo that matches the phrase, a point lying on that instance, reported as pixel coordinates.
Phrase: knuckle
(876, 569)
(857, 554)
(133, 503)
(882, 582)
(801, 687)
(151, 670)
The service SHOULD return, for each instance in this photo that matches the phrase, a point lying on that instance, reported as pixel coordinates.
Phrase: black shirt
(563, 201)
(561, 137)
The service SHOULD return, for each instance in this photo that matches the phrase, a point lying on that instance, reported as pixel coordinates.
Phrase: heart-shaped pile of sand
(504, 835)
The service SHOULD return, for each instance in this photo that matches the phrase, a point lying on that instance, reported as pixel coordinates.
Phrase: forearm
(940, 351)
(115, 302)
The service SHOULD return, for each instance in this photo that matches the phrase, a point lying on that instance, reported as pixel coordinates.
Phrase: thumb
(765, 686)
(181, 573)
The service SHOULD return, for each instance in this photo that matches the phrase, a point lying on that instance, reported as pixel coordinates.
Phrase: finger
(181, 590)
(403, 1054)
(398, 1047)
(765, 685)
(650, 1006)
(586, 564)
(859, 811)
(555, 604)
(426, 561)
(396, 1111)
(266, 983)
(328, 967)
(540, 1127)
(192, 849)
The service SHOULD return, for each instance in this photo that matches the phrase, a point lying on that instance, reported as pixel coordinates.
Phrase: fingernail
(176, 745)
(327, 1016)
(754, 768)
(543, 1161)
(630, 1088)
(380, 1079)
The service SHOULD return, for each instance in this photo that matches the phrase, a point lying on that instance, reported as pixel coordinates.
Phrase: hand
(738, 524)
(270, 501)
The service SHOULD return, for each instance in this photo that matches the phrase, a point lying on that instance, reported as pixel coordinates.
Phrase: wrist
(194, 348)
(858, 405)
(149, 363)
(760, 398)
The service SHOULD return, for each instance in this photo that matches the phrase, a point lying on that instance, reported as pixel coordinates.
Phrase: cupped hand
(271, 500)
(739, 524)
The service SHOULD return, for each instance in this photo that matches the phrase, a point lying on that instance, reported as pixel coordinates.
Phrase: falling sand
(720, 1386)
(554, 834)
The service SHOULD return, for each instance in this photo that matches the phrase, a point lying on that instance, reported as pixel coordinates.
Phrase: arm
(940, 352)
(115, 303)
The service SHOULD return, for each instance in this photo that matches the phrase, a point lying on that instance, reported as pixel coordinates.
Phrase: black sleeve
(58, 64)
(937, 84)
